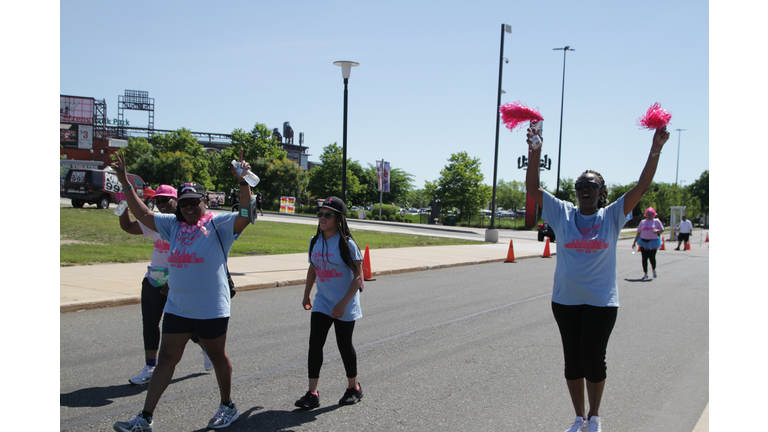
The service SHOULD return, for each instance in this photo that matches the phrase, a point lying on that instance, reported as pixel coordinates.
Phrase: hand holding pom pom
(655, 118)
(534, 138)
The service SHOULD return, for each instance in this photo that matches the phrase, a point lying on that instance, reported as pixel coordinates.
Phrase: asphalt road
(471, 348)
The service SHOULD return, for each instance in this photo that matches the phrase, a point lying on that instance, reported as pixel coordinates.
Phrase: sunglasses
(325, 215)
(189, 202)
(163, 200)
(580, 186)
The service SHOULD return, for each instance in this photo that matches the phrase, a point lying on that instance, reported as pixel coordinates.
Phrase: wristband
(130, 186)
(655, 154)
(243, 183)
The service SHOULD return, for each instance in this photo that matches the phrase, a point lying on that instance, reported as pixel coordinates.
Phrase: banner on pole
(287, 204)
(383, 170)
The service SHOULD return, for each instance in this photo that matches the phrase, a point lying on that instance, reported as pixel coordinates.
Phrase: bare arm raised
(532, 184)
(139, 210)
(634, 195)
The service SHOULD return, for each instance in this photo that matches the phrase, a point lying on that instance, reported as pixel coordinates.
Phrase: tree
(418, 198)
(510, 195)
(700, 189)
(460, 186)
(171, 159)
(256, 144)
(400, 185)
(284, 177)
(325, 180)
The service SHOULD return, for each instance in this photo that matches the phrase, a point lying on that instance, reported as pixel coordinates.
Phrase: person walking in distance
(585, 297)
(154, 287)
(199, 298)
(335, 264)
(649, 238)
(684, 231)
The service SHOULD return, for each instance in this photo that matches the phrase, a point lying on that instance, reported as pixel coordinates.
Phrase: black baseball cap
(335, 204)
(190, 190)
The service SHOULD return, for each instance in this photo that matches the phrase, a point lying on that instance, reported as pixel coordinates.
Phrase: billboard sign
(76, 110)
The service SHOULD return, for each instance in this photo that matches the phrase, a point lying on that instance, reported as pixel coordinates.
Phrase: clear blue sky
(427, 81)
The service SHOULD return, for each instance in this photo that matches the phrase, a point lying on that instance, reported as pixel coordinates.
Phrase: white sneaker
(654, 273)
(645, 277)
(580, 425)
(594, 424)
(224, 417)
(144, 377)
(207, 362)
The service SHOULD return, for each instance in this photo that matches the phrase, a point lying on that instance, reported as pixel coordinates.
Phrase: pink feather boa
(514, 114)
(655, 118)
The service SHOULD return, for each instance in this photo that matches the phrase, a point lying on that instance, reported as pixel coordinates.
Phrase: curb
(101, 304)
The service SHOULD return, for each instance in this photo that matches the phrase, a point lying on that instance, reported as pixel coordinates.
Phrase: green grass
(99, 239)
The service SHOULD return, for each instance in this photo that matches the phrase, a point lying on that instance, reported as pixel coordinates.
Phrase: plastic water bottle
(122, 204)
(249, 176)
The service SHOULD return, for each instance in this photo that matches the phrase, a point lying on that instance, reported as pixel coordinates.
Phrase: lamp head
(346, 67)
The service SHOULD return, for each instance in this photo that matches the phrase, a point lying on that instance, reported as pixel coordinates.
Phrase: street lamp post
(679, 132)
(491, 234)
(565, 50)
(346, 67)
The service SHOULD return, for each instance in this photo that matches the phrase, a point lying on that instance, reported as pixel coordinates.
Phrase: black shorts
(203, 328)
(683, 236)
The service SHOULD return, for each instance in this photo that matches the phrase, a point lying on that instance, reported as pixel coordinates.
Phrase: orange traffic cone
(662, 244)
(367, 274)
(511, 253)
(707, 240)
(546, 250)
(688, 246)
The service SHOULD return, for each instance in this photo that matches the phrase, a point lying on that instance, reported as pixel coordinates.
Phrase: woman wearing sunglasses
(585, 298)
(199, 301)
(336, 265)
(649, 232)
(154, 287)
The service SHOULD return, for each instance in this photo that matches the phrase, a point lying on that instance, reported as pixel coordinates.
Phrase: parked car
(546, 231)
(84, 186)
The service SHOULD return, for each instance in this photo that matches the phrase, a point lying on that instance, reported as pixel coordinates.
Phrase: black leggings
(649, 254)
(320, 324)
(584, 331)
(152, 305)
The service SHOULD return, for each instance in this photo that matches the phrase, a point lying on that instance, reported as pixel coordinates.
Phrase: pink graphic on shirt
(323, 273)
(326, 274)
(181, 259)
(162, 246)
(588, 243)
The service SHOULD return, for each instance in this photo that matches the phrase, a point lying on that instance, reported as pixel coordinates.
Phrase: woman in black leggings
(336, 265)
(649, 234)
(585, 295)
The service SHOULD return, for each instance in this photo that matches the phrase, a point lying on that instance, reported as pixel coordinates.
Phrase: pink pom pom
(655, 118)
(514, 114)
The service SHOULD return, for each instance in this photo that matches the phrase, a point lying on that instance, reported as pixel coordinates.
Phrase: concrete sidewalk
(107, 285)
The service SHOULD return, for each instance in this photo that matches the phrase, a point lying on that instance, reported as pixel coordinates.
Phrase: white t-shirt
(160, 248)
(585, 273)
(685, 227)
(197, 266)
(334, 277)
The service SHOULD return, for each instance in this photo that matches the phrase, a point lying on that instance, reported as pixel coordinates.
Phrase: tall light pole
(346, 68)
(562, 99)
(679, 132)
(492, 235)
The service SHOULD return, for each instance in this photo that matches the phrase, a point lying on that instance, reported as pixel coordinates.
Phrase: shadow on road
(274, 421)
(102, 396)
(638, 280)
